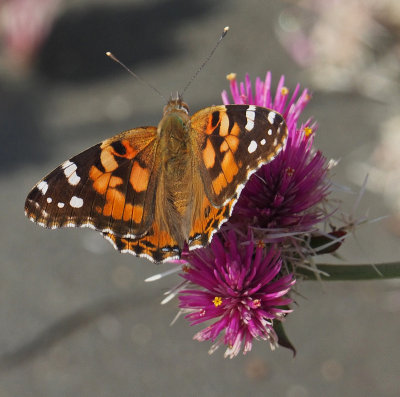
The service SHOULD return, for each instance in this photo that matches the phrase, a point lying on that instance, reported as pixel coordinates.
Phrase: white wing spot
(263, 142)
(252, 147)
(270, 132)
(76, 202)
(49, 200)
(70, 172)
(275, 142)
(74, 179)
(249, 125)
(250, 115)
(66, 164)
(60, 205)
(271, 117)
(43, 186)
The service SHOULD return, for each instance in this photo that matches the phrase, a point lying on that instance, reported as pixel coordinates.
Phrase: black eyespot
(215, 119)
(119, 148)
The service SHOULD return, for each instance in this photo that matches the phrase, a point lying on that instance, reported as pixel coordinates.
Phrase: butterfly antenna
(114, 58)
(225, 31)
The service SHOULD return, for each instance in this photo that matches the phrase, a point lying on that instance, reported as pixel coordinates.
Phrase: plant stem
(351, 272)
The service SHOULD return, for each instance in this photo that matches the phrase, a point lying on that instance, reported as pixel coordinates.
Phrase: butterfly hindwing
(157, 245)
(204, 227)
(109, 187)
(233, 141)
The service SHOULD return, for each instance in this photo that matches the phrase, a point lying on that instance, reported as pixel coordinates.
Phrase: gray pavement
(76, 318)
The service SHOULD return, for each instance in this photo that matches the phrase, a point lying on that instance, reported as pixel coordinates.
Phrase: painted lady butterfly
(150, 190)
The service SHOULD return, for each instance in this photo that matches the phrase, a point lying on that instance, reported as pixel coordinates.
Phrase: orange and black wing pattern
(204, 227)
(109, 187)
(156, 245)
(232, 142)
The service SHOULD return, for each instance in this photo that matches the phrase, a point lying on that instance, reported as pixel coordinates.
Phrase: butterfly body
(151, 190)
(177, 180)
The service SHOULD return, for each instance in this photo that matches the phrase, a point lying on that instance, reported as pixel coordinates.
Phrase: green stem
(352, 272)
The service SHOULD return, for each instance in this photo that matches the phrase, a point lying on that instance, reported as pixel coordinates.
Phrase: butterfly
(151, 190)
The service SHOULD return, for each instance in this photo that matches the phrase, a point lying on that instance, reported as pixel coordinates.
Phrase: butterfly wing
(203, 228)
(157, 245)
(109, 187)
(232, 142)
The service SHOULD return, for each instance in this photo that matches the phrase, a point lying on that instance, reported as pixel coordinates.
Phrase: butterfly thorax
(174, 139)
(173, 129)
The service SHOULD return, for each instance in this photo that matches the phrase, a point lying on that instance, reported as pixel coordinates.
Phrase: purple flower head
(240, 290)
(283, 196)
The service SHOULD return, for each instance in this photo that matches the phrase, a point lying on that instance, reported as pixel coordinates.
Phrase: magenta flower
(283, 196)
(240, 288)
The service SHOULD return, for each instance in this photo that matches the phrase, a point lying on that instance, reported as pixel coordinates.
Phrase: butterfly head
(175, 119)
(176, 105)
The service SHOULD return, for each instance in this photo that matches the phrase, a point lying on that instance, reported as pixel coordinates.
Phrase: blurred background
(76, 317)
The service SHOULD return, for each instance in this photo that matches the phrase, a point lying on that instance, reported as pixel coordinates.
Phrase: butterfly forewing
(232, 142)
(109, 187)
